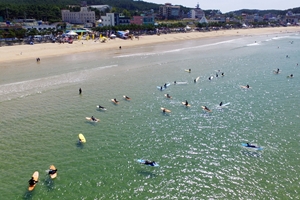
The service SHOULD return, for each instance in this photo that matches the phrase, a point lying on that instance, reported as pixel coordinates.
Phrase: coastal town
(101, 22)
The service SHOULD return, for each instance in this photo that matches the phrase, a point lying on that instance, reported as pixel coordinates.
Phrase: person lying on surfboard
(101, 107)
(93, 118)
(168, 96)
(32, 181)
(250, 145)
(116, 100)
(186, 103)
(247, 86)
(52, 171)
(151, 163)
(127, 97)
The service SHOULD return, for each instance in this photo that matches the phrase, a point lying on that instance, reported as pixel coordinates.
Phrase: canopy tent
(71, 33)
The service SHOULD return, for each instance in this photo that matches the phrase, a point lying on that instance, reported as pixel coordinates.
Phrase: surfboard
(290, 76)
(161, 88)
(169, 97)
(126, 98)
(90, 119)
(180, 82)
(245, 87)
(81, 138)
(224, 105)
(207, 110)
(35, 176)
(101, 107)
(142, 161)
(183, 103)
(52, 167)
(166, 110)
(252, 148)
(115, 102)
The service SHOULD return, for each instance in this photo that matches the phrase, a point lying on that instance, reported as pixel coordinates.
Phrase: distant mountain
(263, 12)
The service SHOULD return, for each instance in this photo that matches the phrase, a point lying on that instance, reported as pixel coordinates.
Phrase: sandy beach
(27, 52)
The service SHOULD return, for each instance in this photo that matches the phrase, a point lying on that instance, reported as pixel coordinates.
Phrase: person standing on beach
(80, 91)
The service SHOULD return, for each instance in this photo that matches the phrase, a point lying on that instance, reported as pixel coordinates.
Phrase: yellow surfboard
(35, 176)
(165, 110)
(81, 138)
(52, 167)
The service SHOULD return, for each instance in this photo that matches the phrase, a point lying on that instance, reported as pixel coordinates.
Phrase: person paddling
(32, 182)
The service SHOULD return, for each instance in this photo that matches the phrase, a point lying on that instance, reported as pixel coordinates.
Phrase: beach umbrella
(71, 33)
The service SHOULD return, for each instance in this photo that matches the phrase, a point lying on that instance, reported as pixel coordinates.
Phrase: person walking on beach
(80, 91)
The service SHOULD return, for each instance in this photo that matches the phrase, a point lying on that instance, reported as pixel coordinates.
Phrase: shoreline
(48, 50)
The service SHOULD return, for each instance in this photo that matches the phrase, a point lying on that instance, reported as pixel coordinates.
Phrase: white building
(108, 19)
(82, 17)
(196, 13)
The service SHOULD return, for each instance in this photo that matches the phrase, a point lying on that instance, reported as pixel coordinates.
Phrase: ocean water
(199, 153)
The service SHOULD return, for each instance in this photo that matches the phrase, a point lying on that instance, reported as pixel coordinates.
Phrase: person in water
(151, 163)
(93, 118)
(164, 110)
(291, 75)
(32, 181)
(186, 102)
(247, 86)
(168, 96)
(221, 103)
(222, 74)
(206, 108)
(161, 87)
(115, 100)
(165, 85)
(52, 171)
(217, 75)
(250, 145)
(190, 70)
(80, 91)
(175, 82)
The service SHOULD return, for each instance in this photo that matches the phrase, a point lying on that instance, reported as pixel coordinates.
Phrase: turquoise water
(199, 153)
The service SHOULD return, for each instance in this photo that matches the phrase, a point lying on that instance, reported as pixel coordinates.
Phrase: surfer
(127, 97)
(291, 75)
(221, 103)
(222, 74)
(80, 91)
(250, 145)
(115, 100)
(32, 181)
(186, 103)
(165, 85)
(168, 96)
(174, 82)
(209, 78)
(101, 107)
(53, 171)
(206, 108)
(151, 163)
(195, 80)
(93, 118)
(164, 110)
(247, 86)
(217, 75)
(161, 87)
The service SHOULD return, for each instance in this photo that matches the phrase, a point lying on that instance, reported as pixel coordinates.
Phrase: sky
(231, 5)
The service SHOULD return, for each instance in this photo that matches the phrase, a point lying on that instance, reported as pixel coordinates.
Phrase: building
(143, 19)
(82, 17)
(101, 7)
(168, 11)
(114, 19)
(196, 13)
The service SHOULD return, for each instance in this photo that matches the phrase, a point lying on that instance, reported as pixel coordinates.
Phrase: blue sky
(231, 5)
